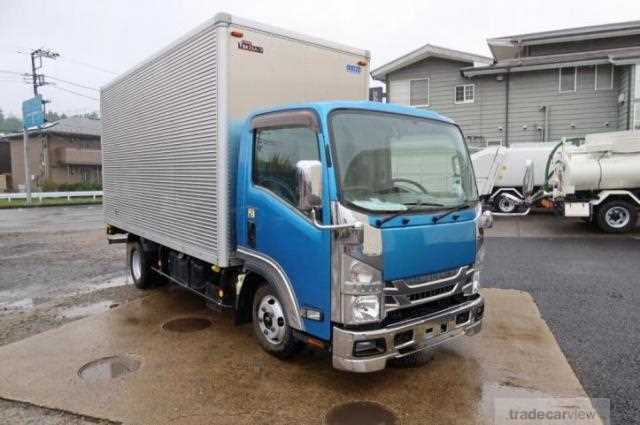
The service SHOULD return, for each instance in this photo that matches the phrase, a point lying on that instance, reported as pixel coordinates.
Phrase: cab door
(276, 227)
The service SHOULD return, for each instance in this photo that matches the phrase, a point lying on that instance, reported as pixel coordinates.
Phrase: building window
(587, 77)
(465, 93)
(568, 77)
(419, 92)
(604, 76)
(636, 116)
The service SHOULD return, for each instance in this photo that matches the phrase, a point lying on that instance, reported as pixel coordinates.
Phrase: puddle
(187, 324)
(86, 310)
(108, 368)
(17, 305)
(360, 412)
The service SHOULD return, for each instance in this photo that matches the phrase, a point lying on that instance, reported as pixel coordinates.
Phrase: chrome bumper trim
(344, 340)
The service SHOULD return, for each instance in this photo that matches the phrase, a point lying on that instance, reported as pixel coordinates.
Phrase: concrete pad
(219, 375)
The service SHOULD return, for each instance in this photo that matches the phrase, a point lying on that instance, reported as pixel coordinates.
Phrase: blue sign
(33, 112)
(353, 69)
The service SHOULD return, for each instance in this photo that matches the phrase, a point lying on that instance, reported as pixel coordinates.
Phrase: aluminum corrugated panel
(159, 145)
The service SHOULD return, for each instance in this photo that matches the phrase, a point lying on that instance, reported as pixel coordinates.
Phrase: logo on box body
(353, 69)
(249, 46)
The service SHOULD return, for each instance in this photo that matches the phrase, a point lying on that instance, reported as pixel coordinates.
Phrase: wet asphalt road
(588, 292)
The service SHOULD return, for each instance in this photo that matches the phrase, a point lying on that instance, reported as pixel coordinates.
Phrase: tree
(9, 124)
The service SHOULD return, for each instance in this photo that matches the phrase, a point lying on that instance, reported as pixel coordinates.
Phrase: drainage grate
(108, 368)
(187, 324)
(359, 413)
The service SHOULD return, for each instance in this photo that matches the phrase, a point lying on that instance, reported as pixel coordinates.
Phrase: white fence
(41, 195)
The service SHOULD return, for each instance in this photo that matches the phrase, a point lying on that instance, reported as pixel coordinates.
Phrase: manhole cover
(187, 324)
(360, 412)
(108, 368)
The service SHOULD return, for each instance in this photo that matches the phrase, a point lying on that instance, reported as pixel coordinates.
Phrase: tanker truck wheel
(616, 216)
(270, 324)
(505, 205)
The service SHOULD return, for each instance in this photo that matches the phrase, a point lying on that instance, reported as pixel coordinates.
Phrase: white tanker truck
(598, 181)
(596, 178)
(500, 171)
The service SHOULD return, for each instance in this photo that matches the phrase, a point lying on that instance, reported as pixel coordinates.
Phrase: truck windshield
(391, 162)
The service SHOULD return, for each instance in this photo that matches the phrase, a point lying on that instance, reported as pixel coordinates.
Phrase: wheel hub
(617, 217)
(271, 319)
(506, 205)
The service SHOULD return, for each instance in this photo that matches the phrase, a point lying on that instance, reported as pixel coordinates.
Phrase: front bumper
(406, 338)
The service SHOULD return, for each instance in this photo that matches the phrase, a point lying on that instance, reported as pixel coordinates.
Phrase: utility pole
(37, 80)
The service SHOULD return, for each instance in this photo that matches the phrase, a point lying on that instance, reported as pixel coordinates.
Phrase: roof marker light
(236, 34)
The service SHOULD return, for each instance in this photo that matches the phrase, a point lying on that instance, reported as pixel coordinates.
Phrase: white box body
(168, 164)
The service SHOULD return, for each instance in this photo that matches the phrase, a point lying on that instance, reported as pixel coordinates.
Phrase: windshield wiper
(414, 206)
(437, 218)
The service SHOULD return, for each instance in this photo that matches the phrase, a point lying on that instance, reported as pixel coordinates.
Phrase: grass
(48, 202)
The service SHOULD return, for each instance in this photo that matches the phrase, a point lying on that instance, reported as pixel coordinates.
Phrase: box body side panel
(160, 149)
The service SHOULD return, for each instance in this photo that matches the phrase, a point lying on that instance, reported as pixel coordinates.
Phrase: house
(63, 152)
(536, 87)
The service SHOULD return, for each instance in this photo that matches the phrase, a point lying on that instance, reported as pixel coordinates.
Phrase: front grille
(404, 293)
(423, 310)
(430, 293)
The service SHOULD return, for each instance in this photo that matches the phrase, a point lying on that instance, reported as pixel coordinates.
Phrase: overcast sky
(99, 39)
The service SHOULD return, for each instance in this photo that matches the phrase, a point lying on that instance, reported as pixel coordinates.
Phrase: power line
(88, 65)
(72, 83)
(6, 71)
(74, 92)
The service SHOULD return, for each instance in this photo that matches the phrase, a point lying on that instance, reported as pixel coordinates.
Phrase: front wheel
(616, 216)
(271, 325)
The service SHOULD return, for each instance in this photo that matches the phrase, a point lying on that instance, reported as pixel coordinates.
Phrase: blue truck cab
(358, 229)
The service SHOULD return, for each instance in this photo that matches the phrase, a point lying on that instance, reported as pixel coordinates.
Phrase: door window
(276, 151)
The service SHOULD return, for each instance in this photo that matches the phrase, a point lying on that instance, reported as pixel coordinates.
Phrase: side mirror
(309, 179)
(527, 180)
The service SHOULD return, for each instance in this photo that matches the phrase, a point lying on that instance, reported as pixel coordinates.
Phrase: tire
(504, 205)
(271, 325)
(139, 267)
(616, 216)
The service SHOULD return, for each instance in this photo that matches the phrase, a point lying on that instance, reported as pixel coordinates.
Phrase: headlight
(364, 308)
(361, 292)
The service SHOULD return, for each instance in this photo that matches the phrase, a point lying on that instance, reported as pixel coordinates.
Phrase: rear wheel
(616, 216)
(271, 325)
(504, 205)
(139, 266)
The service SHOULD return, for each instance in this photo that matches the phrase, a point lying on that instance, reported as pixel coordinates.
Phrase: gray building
(537, 87)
